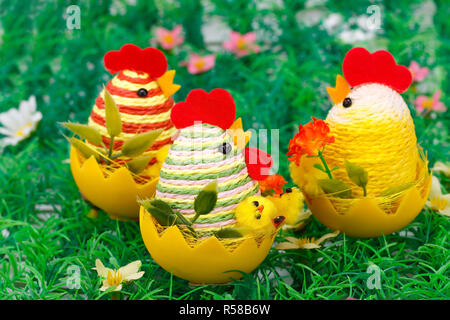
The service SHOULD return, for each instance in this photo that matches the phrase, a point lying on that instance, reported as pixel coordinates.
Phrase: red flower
(273, 182)
(310, 139)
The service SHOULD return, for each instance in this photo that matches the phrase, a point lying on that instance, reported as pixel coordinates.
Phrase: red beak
(261, 208)
(258, 163)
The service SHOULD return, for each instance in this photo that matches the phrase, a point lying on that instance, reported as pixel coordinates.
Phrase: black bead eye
(142, 92)
(279, 219)
(288, 190)
(256, 203)
(347, 102)
(258, 216)
(225, 148)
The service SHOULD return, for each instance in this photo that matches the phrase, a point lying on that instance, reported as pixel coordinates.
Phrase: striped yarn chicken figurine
(142, 91)
(139, 102)
(205, 151)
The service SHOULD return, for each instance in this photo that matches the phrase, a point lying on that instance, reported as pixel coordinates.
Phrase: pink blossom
(424, 103)
(199, 64)
(418, 73)
(169, 39)
(241, 44)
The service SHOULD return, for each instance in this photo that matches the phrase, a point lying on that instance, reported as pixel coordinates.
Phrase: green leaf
(162, 205)
(396, 189)
(163, 218)
(139, 143)
(228, 233)
(83, 148)
(206, 200)
(112, 116)
(336, 187)
(85, 132)
(139, 164)
(357, 174)
(319, 167)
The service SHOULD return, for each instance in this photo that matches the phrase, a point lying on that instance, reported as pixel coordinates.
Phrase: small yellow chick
(289, 204)
(257, 214)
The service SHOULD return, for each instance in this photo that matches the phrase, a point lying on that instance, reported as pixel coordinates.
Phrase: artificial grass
(277, 89)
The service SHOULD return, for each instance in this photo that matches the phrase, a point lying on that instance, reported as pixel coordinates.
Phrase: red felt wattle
(216, 108)
(130, 57)
(258, 163)
(360, 66)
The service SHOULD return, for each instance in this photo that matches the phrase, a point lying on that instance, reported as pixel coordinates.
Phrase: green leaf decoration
(228, 233)
(112, 116)
(162, 205)
(357, 175)
(163, 218)
(206, 200)
(397, 189)
(139, 143)
(85, 132)
(83, 148)
(319, 167)
(336, 187)
(139, 164)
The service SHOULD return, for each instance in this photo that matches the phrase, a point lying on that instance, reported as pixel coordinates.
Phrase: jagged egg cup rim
(90, 164)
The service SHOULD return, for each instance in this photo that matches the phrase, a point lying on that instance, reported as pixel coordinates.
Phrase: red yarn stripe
(112, 89)
(134, 127)
(121, 76)
(157, 109)
(156, 146)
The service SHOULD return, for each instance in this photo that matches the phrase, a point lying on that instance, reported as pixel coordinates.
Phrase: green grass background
(277, 89)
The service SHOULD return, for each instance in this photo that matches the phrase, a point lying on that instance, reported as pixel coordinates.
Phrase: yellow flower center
(303, 241)
(199, 64)
(168, 38)
(438, 203)
(241, 44)
(114, 278)
(20, 132)
(428, 104)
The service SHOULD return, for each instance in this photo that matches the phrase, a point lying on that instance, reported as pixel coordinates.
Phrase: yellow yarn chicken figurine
(360, 170)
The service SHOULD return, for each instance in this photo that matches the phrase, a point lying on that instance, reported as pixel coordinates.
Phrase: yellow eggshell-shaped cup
(116, 194)
(208, 261)
(365, 219)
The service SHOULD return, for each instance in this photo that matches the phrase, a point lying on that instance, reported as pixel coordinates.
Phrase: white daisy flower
(18, 124)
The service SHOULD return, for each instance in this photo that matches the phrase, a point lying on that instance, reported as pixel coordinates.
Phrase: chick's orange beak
(261, 208)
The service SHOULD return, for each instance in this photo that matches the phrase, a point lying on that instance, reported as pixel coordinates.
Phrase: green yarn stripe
(192, 191)
(220, 203)
(200, 147)
(201, 176)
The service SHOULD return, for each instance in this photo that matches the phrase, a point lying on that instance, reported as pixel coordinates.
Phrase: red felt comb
(131, 57)
(258, 163)
(360, 66)
(216, 108)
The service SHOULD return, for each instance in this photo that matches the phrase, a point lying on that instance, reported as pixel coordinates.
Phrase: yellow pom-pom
(289, 204)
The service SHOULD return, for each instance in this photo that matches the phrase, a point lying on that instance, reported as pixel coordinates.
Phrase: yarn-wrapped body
(138, 114)
(377, 133)
(195, 159)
